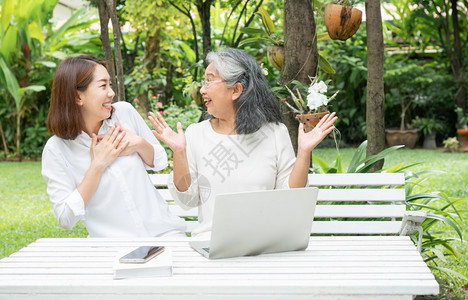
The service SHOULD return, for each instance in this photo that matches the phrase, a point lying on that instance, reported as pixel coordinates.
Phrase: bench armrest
(411, 222)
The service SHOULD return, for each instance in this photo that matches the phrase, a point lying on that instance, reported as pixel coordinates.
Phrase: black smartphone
(141, 254)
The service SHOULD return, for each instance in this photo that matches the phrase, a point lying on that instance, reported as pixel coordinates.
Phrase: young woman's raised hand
(104, 150)
(162, 131)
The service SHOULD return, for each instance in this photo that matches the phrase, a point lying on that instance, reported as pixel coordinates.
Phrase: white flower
(315, 99)
(319, 87)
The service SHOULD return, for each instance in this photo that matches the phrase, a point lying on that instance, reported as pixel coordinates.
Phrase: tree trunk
(456, 59)
(186, 12)
(375, 83)
(2, 133)
(104, 21)
(300, 53)
(111, 8)
(203, 8)
(152, 49)
(18, 136)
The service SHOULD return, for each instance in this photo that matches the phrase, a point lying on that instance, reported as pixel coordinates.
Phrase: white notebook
(159, 266)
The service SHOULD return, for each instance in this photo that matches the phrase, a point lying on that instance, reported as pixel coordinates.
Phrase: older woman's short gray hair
(257, 105)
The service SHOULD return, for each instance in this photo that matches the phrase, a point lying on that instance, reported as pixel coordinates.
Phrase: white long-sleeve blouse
(221, 163)
(125, 203)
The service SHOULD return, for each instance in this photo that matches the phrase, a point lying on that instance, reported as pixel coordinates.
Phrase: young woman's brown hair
(72, 75)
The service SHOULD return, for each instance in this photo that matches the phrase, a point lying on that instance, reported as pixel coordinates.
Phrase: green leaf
(266, 20)
(10, 80)
(323, 36)
(35, 31)
(60, 55)
(190, 54)
(358, 157)
(8, 45)
(373, 159)
(34, 88)
(325, 65)
(8, 8)
(395, 168)
(254, 40)
(449, 272)
(49, 64)
(62, 29)
(338, 164)
(322, 163)
(252, 31)
(448, 222)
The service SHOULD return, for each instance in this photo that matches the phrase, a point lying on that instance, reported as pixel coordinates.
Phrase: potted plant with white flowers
(310, 101)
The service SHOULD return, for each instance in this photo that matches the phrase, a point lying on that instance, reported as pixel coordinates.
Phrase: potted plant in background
(275, 51)
(462, 128)
(342, 20)
(405, 85)
(308, 113)
(429, 127)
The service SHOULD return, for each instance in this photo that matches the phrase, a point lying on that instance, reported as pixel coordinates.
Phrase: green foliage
(424, 30)
(451, 144)
(268, 31)
(349, 61)
(35, 135)
(462, 118)
(427, 125)
(27, 64)
(185, 115)
(172, 114)
(360, 163)
(412, 85)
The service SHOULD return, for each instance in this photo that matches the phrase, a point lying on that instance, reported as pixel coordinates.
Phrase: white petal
(315, 100)
(319, 87)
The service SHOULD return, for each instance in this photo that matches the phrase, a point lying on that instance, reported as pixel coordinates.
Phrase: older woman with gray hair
(243, 146)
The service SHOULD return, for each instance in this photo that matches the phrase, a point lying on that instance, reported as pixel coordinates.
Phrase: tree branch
(252, 16)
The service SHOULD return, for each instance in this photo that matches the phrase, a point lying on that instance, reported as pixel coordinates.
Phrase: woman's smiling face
(96, 100)
(219, 99)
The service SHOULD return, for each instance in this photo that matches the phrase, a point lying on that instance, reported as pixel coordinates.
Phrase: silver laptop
(251, 223)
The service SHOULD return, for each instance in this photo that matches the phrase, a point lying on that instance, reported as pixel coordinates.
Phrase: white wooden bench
(348, 204)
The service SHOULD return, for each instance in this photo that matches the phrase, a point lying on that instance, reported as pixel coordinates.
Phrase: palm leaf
(358, 157)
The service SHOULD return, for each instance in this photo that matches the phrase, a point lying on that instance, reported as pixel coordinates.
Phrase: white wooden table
(364, 267)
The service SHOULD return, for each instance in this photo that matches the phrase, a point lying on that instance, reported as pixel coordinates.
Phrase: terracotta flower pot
(463, 136)
(406, 137)
(342, 21)
(310, 120)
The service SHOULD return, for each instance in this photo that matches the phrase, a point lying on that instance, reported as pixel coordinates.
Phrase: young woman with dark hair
(95, 163)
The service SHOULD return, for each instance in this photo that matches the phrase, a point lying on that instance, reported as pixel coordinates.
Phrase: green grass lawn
(26, 213)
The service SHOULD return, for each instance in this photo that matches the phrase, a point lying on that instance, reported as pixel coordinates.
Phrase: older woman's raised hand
(174, 140)
(308, 141)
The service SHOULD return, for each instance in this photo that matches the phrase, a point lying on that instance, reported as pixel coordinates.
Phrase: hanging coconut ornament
(196, 95)
(275, 54)
(342, 21)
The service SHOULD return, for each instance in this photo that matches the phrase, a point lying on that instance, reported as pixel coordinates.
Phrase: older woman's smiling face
(219, 99)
